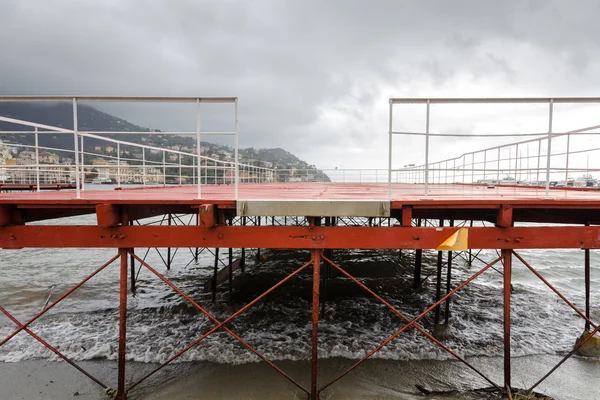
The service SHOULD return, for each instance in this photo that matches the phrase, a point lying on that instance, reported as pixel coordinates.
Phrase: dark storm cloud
(312, 76)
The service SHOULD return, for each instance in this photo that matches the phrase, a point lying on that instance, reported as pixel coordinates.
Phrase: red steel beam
(506, 256)
(316, 258)
(108, 215)
(294, 237)
(121, 393)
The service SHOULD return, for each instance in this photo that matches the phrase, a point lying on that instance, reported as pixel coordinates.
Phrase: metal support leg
(587, 288)
(418, 262)
(214, 280)
(243, 257)
(122, 325)
(132, 267)
(438, 282)
(316, 257)
(326, 275)
(448, 282)
(169, 220)
(507, 257)
(257, 250)
(197, 252)
(230, 277)
(470, 251)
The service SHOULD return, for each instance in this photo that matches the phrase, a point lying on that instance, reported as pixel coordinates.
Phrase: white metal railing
(548, 164)
(226, 171)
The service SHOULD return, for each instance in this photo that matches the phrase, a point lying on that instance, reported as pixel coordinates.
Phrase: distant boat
(102, 181)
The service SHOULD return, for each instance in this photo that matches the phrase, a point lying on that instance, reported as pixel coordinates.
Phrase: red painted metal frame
(410, 324)
(570, 304)
(52, 348)
(294, 237)
(222, 325)
(316, 257)
(408, 320)
(24, 326)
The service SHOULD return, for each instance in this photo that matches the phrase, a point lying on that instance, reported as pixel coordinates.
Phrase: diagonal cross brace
(410, 324)
(220, 325)
(51, 348)
(405, 318)
(62, 297)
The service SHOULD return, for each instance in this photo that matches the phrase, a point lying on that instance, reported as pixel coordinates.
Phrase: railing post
(427, 150)
(82, 150)
(517, 166)
(389, 154)
(237, 177)
(538, 163)
(180, 169)
(473, 167)
(118, 165)
(77, 177)
(567, 160)
(37, 160)
(144, 166)
(198, 147)
(193, 171)
(498, 177)
(509, 159)
(164, 170)
(550, 115)
(464, 157)
(484, 164)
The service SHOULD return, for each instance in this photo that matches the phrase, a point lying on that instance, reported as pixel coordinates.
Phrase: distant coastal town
(137, 165)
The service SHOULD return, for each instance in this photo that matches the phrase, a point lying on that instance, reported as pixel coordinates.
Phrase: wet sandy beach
(376, 379)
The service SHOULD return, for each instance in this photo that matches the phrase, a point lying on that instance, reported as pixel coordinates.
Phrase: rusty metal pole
(418, 261)
(197, 223)
(326, 253)
(122, 325)
(316, 257)
(470, 251)
(438, 282)
(587, 286)
(448, 282)
(507, 257)
(168, 248)
(121, 394)
(243, 256)
(214, 279)
(132, 267)
(257, 250)
(230, 277)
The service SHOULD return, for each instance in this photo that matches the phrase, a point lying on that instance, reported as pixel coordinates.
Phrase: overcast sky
(313, 77)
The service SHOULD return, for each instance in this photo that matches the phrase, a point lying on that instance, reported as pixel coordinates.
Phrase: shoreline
(375, 379)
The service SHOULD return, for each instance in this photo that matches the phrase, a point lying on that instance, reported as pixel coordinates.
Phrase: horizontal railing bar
(35, 125)
(468, 135)
(172, 99)
(153, 133)
(493, 100)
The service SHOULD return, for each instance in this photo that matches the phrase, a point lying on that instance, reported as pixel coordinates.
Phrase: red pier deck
(500, 206)
(223, 222)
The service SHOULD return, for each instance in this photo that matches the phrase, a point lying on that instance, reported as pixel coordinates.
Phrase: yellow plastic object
(458, 241)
